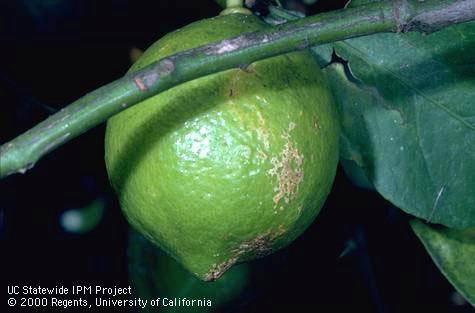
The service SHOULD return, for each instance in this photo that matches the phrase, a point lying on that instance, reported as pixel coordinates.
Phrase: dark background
(53, 52)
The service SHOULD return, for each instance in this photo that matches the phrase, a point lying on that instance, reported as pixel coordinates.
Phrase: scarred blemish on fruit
(281, 230)
(287, 168)
(261, 120)
(262, 131)
(257, 247)
(218, 270)
(261, 155)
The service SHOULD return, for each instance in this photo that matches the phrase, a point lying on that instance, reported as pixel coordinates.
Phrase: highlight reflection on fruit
(229, 167)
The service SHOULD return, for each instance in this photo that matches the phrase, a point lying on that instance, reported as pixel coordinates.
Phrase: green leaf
(407, 104)
(453, 251)
(323, 54)
(356, 174)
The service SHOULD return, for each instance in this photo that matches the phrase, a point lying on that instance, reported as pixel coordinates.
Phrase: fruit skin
(228, 167)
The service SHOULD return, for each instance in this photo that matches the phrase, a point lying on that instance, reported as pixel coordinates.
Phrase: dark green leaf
(453, 251)
(356, 174)
(323, 54)
(407, 104)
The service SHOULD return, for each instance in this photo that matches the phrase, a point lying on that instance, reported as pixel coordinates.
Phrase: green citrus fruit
(228, 167)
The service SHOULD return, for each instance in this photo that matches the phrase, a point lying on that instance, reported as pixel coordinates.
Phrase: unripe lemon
(227, 167)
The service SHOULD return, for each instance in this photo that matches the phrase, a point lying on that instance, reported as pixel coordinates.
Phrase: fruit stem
(21, 153)
(235, 6)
